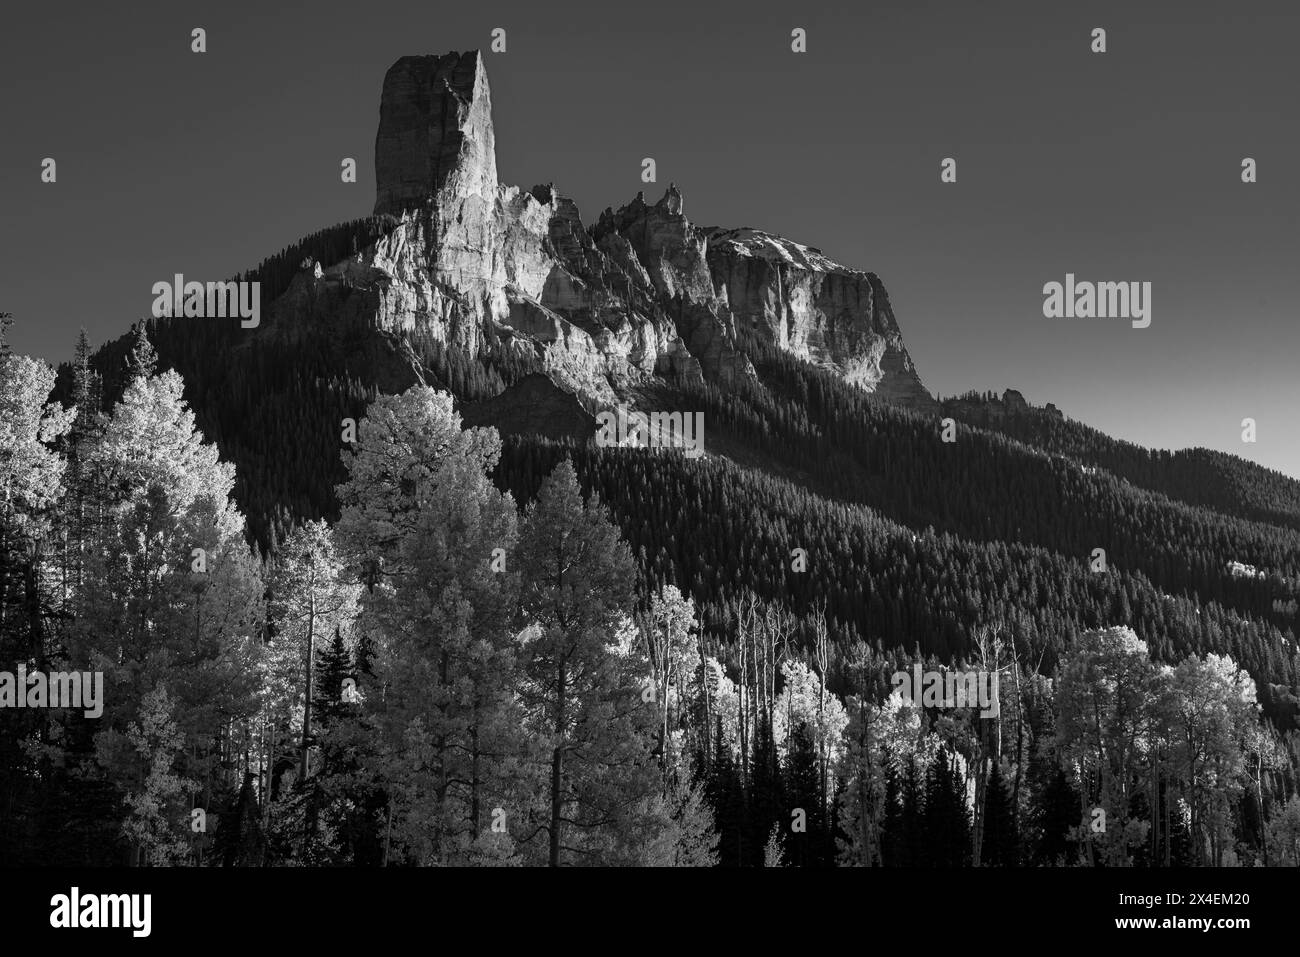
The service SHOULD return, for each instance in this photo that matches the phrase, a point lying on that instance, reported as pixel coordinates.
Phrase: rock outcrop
(642, 293)
(835, 317)
(987, 409)
(435, 132)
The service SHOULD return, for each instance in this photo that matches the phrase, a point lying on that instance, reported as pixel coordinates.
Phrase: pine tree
(773, 853)
(1000, 846)
(695, 835)
(768, 804)
(461, 592)
(87, 392)
(143, 360)
(905, 821)
(585, 683)
(419, 507)
(947, 822)
(333, 667)
(803, 792)
(727, 797)
(1057, 821)
(894, 850)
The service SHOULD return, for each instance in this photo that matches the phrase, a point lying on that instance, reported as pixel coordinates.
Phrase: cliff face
(435, 132)
(643, 292)
(836, 317)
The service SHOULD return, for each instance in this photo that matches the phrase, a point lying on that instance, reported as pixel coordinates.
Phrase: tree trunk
(557, 769)
(1020, 751)
(743, 704)
(708, 720)
(306, 709)
(474, 771)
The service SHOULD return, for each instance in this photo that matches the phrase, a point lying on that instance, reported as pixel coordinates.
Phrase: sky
(1120, 166)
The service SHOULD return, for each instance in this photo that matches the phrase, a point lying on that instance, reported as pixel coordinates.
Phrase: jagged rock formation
(988, 410)
(643, 292)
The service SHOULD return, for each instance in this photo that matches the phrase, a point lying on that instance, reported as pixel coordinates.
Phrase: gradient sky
(1121, 166)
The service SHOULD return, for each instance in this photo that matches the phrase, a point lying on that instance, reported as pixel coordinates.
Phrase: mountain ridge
(632, 310)
(641, 292)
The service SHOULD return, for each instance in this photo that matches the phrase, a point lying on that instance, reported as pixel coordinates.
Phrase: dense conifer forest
(421, 643)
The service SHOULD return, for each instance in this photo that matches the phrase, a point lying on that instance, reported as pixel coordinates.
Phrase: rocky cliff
(989, 411)
(642, 292)
(834, 316)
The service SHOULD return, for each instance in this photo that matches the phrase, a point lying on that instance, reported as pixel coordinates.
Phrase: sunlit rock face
(836, 317)
(642, 292)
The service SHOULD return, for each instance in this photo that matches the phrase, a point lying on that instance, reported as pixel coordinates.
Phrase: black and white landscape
(482, 530)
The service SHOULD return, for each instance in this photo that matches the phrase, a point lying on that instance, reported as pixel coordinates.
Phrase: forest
(436, 646)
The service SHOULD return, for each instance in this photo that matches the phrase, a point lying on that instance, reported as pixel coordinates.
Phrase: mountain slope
(1198, 476)
(535, 322)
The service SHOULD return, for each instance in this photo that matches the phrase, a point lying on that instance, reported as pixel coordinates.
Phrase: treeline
(719, 531)
(1225, 483)
(276, 412)
(327, 247)
(440, 677)
(498, 364)
(275, 406)
(985, 487)
(433, 680)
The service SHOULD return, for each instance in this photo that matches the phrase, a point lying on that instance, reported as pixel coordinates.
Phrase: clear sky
(1115, 166)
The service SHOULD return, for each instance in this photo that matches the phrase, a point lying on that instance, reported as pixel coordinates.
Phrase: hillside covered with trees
(431, 645)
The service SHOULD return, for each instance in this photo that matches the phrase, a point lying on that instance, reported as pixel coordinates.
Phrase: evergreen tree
(333, 667)
(143, 361)
(1000, 847)
(420, 509)
(1057, 821)
(694, 832)
(584, 687)
(895, 850)
(727, 797)
(947, 822)
(806, 848)
(769, 807)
